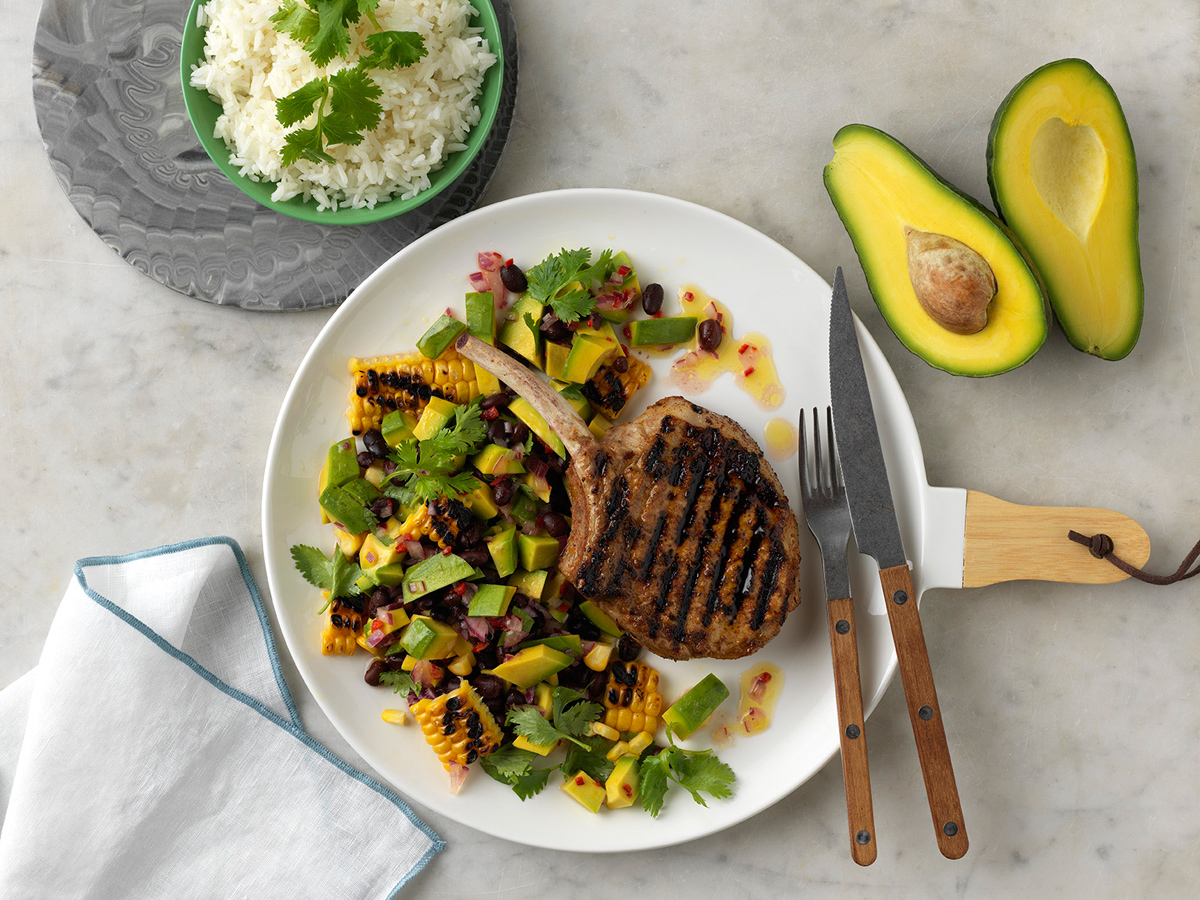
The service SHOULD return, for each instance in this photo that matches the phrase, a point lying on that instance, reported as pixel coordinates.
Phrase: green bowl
(203, 112)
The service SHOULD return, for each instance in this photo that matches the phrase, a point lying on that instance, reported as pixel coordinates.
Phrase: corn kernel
(395, 716)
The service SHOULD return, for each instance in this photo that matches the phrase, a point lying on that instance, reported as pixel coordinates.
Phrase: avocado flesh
(878, 188)
(1063, 176)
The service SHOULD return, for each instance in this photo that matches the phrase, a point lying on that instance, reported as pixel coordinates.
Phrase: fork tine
(834, 483)
(817, 444)
(804, 481)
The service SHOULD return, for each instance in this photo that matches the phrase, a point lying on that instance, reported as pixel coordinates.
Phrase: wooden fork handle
(924, 711)
(843, 641)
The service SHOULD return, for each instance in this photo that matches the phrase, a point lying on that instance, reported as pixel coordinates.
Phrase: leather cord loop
(1101, 547)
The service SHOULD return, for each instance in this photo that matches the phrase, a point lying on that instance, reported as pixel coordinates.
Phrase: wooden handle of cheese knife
(843, 642)
(924, 711)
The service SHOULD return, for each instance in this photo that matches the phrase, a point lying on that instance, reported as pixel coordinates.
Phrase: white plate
(673, 242)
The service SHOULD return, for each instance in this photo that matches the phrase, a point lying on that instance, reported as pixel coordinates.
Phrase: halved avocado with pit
(1063, 176)
(885, 195)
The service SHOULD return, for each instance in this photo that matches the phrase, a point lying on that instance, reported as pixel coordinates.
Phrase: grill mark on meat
(731, 535)
(703, 543)
(769, 576)
(664, 587)
(652, 547)
(699, 467)
(654, 457)
(745, 577)
(615, 512)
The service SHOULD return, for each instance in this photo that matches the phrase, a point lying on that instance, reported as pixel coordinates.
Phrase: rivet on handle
(950, 829)
(842, 626)
(901, 597)
(863, 837)
(925, 712)
(853, 731)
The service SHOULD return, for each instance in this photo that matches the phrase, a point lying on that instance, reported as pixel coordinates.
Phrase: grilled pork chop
(680, 529)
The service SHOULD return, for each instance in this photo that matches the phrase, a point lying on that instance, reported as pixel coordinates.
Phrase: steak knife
(877, 535)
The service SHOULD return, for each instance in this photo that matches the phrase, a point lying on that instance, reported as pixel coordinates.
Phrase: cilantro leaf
(591, 758)
(333, 32)
(393, 49)
(550, 282)
(314, 566)
(575, 719)
(653, 780)
(300, 103)
(296, 21)
(513, 766)
(701, 772)
(353, 106)
(345, 574)
(425, 470)
(399, 681)
(304, 143)
(534, 727)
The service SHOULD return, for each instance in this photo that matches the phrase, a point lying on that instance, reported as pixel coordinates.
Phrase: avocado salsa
(449, 510)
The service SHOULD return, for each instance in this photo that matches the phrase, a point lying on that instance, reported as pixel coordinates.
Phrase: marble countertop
(133, 416)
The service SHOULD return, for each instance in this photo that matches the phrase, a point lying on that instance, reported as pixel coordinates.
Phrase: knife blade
(877, 534)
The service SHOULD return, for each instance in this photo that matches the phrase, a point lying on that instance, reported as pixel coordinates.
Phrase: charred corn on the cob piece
(447, 517)
(406, 382)
(458, 726)
(420, 523)
(631, 698)
(609, 390)
(343, 626)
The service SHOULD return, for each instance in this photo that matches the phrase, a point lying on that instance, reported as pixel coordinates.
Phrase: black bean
(628, 649)
(384, 508)
(520, 433)
(374, 670)
(379, 597)
(497, 433)
(554, 329)
(490, 687)
(513, 278)
(621, 363)
(504, 490)
(709, 334)
(375, 444)
(555, 524)
(476, 556)
(652, 298)
(500, 399)
(365, 458)
(471, 535)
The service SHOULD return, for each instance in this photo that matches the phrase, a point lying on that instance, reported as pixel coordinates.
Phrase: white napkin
(162, 754)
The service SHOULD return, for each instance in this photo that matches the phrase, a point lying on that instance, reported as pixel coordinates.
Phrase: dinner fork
(828, 514)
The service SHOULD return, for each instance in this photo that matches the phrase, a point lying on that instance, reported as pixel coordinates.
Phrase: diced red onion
(478, 627)
(458, 774)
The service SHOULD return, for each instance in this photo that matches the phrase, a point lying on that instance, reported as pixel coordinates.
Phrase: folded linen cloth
(156, 751)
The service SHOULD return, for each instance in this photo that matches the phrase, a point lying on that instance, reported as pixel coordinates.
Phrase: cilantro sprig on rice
(346, 102)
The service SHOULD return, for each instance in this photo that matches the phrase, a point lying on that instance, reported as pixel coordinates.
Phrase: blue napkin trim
(293, 727)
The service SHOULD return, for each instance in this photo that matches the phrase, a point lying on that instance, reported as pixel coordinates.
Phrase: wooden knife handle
(924, 711)
(1008, 542)
(843, 641)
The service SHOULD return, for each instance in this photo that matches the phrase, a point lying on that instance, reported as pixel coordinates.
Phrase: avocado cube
(491, 600)
(341, 464)
(586, 790)
(573, 394)
(482, 503)
(523, 743)
(556, 359)
(531, 417)
(434, 573)
(621, 788)
(397, 427)
(481, 316)
(441, 334)
(587, 355)
(387, 575)
(342, 507)
(529, 666)
(503, 550)
(524, 507)
(600, 619)
(599, 425)
(692, 710)
(538, 486)
(520, 330)
(427, 638)
(496, 460)
(564, 643)
(537, 551)
(531, 584)
(436, 415)
(348, 543)
(655, 332)
(375, 553)
(361, 490)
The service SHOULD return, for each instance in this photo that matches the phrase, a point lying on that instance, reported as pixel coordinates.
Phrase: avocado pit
(953, 283)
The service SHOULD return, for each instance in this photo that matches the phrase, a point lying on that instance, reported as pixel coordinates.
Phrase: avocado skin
(1083, 69)
(968, 202)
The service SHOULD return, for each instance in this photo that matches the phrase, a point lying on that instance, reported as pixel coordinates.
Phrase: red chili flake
(627, 332)
(479, 646)
(743, 348)
(657, 315)
(508, 262)
(489, 414)
(460, 589)
(579, 779)
(628, 789)
(689, 296)
(748, 371)
(623, 271)
(446, 551)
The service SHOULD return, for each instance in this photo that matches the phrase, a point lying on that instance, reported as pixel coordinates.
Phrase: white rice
(428, 107)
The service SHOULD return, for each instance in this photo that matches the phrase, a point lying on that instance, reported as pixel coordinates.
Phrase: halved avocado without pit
(946, 274)
(1063, 177)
